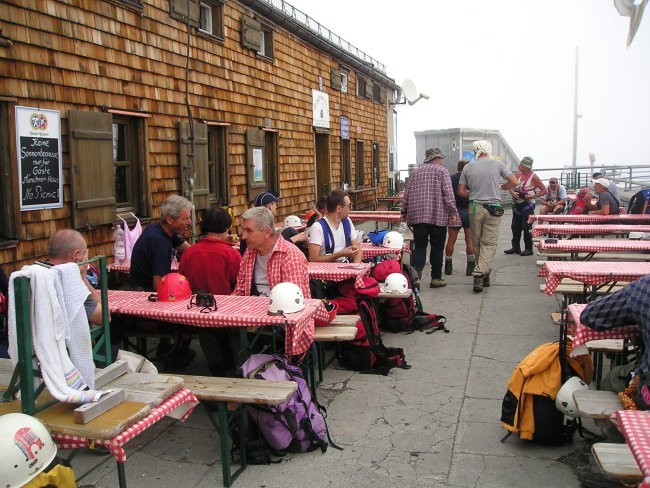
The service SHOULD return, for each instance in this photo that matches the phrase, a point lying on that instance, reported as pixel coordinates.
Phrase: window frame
(359, 151)
(361, 86)
(216, 8)
(218, 168)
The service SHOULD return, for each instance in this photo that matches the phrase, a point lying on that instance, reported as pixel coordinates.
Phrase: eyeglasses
(552, 182)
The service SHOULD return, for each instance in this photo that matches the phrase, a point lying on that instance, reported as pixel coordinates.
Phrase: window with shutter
(211, 17)
(256, 162)
(335, 79)
(361, 85)
(91, 162)
(345, 161)
(218, 164)
(369, 89)
(251, 35)
(359, 164)
(197, 167)
(178, 9)
(129, 163)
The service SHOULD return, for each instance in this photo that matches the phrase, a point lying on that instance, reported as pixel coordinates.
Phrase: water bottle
(119, 245)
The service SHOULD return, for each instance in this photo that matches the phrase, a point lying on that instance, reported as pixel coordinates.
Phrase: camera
(204, 300)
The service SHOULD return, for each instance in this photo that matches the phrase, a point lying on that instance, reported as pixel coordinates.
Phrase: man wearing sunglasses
(555, 199)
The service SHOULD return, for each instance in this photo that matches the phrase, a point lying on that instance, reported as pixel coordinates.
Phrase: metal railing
(628, 178)
(323, 32)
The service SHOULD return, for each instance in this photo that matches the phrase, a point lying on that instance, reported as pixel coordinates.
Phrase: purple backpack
(296, 425)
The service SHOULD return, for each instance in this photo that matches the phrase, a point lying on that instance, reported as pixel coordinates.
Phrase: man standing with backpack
(479, 182)
(334, 238)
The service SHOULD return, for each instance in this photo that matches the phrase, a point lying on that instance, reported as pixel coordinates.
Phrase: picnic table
(593, 246)
(339, 271)
(391, 202)
(590, 219)
(232, 311)
(590, 273)
(586, 229)
(370, 251)
(125, 267)
(389, 216)
(635, 427)
(583, 334)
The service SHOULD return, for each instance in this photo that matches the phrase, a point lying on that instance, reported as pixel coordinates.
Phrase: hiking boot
(486, 280)
(512, 250)
(448, 267)
(437, 283)
(478, 283)
(470, 268)
(526, 252)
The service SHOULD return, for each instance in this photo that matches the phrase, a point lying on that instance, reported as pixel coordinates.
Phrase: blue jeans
(423, 235)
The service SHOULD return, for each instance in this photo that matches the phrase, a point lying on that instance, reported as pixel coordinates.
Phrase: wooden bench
(617, 462)
(598, 405)
(229, 394)
(342, 328)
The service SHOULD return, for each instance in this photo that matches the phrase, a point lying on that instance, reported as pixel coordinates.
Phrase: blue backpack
(329, 237)
(639, 201)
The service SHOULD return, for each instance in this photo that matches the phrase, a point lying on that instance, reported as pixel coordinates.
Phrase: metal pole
(575, 113)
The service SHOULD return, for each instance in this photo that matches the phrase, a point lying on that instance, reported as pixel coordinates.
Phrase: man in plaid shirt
(429, 206)
(269, 259)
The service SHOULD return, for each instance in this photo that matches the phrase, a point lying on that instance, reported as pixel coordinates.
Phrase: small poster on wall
(38, 139)
(258, 166)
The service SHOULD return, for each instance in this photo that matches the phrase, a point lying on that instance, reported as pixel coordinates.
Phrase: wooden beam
(88, 411)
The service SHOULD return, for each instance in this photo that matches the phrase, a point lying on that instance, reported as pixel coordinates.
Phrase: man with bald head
(69, 246)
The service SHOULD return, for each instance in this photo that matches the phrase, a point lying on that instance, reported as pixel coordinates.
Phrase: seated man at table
(340, 243)
(269, 259)
(606, 204)
(630, 305)
(69, 246)
(153, 251)
(212, 265)
(151, 259)
(555, 199)
(613, 189)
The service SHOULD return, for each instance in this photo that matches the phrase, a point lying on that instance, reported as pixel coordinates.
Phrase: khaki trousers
(485, 236)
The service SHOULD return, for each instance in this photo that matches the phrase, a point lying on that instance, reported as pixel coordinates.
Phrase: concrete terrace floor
(435, 425)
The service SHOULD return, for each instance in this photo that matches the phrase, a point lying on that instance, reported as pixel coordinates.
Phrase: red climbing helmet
(173, 287)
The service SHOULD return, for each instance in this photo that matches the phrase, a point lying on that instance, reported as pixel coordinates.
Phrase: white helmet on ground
(292, 221)
(286, 298)
(26, 447)
(396, 283)
(564, 401)
(393, 240)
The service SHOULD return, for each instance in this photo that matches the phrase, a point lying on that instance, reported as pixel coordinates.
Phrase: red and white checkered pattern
(116, 444)
(590, 272)
(370, 251)
(339, 271)
(377, 216)
(586, 230)
(125, 267)
(635, 427)
(595, 245)
(232, 311)
(583, 334)
(591, 219)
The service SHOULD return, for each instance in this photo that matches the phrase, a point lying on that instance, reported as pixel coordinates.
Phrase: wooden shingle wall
(96, 55)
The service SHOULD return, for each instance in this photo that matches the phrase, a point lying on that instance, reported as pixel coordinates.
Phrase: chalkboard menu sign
(38, 139)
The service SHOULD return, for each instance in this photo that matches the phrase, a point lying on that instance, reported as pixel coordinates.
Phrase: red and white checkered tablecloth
(125, 267)
(590, 272)
(339, 271)
(586, 229)
(591, 219)
(583, 334)
(370, 251)
(232, 311)
(595, 245)
(378, 216)
(116, 444)
(635, 427)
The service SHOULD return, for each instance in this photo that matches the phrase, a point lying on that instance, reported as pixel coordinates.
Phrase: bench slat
(617, 462)
(349, 320)
(239, 390)
(597, 404)
(335, 333)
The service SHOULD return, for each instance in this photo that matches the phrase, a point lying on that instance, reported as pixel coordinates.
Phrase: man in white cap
(480, 182)
(606, 204)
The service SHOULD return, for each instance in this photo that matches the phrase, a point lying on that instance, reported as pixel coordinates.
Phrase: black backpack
(639, 201)
(367, 353)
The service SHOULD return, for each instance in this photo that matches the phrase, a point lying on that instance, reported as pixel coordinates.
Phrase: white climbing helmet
(564, 400)
(393, 240)
(286, 298)
(292, 221)
(27, 449)
(395, 283)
